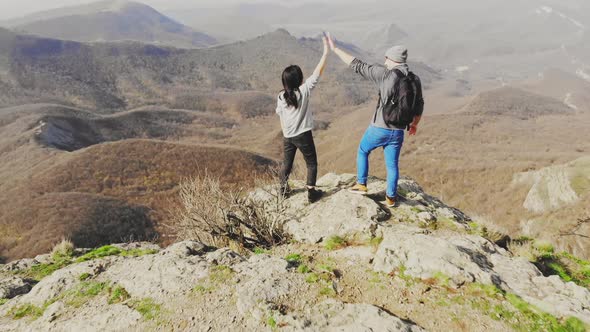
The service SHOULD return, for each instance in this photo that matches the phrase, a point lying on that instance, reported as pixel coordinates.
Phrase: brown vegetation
(114, 191)
(228, 217)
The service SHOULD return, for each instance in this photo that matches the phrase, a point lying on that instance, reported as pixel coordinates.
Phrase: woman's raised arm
(319, 70)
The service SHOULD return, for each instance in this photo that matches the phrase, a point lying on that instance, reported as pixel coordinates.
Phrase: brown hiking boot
(390, 202)
(359, 189)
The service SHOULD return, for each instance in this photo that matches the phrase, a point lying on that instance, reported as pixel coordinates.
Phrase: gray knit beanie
(397, 53)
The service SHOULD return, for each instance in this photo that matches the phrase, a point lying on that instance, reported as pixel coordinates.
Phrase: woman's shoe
(314, 195)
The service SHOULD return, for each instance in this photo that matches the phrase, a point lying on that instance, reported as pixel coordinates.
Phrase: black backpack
(400, 108)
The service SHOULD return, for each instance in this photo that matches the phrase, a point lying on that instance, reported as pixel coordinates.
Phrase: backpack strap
(399, 73)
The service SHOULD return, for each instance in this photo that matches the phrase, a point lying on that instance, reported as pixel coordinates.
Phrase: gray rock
(468, 258)
(53, 311)
(342, 214)
(138, 245)
(266, 279)
(44, 259)
(337, 316)
(173, 271)
(333, 180)
(60, 281)
(426, 217)
(97, 317)
(21, 264)
(185, 249)
(224, 256)
(11, 286)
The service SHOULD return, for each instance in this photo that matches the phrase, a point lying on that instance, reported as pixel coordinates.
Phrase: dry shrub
(222, 217)
(64, 248)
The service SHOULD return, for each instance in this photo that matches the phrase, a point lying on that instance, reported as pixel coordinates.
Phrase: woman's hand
(326, 46)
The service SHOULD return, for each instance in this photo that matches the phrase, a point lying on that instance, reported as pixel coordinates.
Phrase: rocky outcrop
(473, 259)
(421, 238)
(345, 214)
(11, 286)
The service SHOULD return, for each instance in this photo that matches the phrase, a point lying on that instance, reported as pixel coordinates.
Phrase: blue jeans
(391, 141)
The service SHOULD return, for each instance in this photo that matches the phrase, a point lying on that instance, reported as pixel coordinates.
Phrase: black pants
(303, 142)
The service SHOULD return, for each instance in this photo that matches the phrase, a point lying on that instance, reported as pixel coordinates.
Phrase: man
(400, 107)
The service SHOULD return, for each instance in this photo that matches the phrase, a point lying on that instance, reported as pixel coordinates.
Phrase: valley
(97, 132)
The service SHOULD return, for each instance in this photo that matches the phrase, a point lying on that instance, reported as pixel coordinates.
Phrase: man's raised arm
(370, 72)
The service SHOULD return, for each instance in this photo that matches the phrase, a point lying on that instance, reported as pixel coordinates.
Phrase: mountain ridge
(112, 20)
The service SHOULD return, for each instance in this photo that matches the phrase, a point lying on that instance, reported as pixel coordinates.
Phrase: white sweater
(296, 121)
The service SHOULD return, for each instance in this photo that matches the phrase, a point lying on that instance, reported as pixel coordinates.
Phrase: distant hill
(111, 20)
(129, 75)
(110, 192)
(515, 102)
(561, 85)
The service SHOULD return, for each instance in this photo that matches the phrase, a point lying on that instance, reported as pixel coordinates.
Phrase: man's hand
(413, 130)
(331, 41)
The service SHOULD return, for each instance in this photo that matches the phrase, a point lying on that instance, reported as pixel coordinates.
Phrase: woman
(297, 123)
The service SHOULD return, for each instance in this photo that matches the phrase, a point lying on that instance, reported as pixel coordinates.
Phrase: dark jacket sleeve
(419, 97)
(373, 73)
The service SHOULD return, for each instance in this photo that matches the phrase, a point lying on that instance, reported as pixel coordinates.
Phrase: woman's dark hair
(292, 80)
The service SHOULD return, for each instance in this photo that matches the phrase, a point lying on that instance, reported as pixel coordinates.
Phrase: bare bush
(64, 248)
(228, 217)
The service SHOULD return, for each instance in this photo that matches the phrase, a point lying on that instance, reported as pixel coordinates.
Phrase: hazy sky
(17, 8)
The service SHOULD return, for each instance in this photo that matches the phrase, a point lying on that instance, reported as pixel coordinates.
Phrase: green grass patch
(138, 252)
(38, 272)
(260, 251)
(376, 241)
(303, 269)
(483, 290)
(294, 259)
(312, 278)
(335, 242)
(202, 289)
(513, 310)
(110, 250)
(544, 247)
(118, 295)
(220, 274)
(327, 291)
(442, 279)
(566, 266)
(3, 301)
(61, 260)
(84, 292)
(325, 267)
(99, 253)
(147, 307)
(26, 310)
(271, 322)
(84, 276)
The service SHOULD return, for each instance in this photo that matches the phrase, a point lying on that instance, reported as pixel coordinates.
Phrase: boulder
(12, 286)
(173, 271)
(341, 214)
(21, 264)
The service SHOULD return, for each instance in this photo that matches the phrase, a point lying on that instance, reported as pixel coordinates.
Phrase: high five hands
(328, 38)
